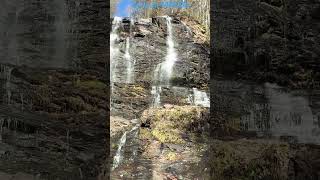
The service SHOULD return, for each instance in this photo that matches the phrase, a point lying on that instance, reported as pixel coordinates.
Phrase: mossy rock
(180, 116)
(145, 134)
(168, 136)
(171, 156)
(168, 124)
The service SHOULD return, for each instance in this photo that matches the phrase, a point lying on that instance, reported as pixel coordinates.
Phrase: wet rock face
(278, 38)
(55, 34)
(163, 140)
(54, 88)
(148, 48)
(54, 124)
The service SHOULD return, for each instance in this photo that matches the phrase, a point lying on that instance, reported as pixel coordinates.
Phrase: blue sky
(123, 8)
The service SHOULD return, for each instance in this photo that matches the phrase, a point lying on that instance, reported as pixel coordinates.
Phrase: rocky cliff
(267, 40)
(54, 88)
(156, 112)
(148, 49)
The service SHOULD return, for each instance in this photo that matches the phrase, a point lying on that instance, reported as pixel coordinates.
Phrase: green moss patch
(145, 134)
(168, 124)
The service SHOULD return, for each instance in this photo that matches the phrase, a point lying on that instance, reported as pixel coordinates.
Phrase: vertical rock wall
(54, 34)
(279, 38)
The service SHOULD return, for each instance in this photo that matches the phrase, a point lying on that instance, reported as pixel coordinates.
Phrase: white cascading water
(163, 71)
(171, 57)
(114, 50)
(200, 98)
(155, 92)
(122, 142)
(135, 150)
(118, 157)
(130, 63)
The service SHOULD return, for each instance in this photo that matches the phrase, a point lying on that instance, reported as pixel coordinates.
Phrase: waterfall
(60, 33)
(129, 136)
(200, 98)
(135, 150)
(130, 64)
(164, 69)
(118, 157)
(114, 50)
(156, 94)
(171, 57)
